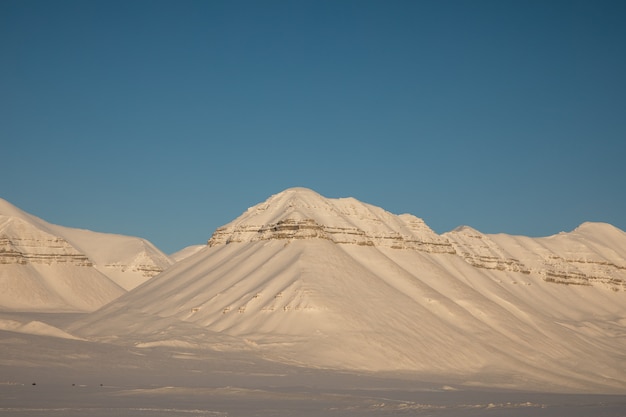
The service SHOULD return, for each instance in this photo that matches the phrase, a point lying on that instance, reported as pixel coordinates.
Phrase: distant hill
(46, 267)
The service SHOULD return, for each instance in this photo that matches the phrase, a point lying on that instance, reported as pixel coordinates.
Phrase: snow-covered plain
(311, 306)
(79, 378)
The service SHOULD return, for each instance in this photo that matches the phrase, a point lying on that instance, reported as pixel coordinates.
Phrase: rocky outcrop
(296, 214)
(584, 272)
(309, 229)
(567, 258)
(143, 263)
(304, 214)
(481, 252)
(147, 271)
(21, 243)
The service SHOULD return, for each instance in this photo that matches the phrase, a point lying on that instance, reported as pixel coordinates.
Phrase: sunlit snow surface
(307, 306)
(47, 267)
(54, 376)
(340, 284)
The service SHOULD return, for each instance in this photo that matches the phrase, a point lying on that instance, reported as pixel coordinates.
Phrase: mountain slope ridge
(49, 267)
(294, 292)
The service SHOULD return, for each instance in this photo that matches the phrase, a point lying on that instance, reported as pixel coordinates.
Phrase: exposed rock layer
(302, 214)
(45, 266)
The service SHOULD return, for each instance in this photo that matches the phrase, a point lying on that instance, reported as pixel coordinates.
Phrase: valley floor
(45, 373)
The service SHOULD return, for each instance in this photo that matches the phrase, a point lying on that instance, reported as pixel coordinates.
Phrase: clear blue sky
(167, 119)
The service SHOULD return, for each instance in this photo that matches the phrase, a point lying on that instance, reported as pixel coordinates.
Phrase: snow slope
(55, 268)
(593, 254)
(341, 284)
(186, 252)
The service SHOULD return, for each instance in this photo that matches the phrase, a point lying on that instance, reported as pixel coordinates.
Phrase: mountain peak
(298, 191)
(598, 228)
(465, 230)
(294, 203)
(9, 210)
(300, 213)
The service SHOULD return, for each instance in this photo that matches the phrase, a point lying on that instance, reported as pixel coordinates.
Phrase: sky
(168, 119)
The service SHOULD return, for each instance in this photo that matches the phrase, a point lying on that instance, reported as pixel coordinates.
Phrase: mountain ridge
(300, 213)
(302, 293)
(50, 267)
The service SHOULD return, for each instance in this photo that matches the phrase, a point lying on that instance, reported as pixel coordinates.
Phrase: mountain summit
(341, 284)
(300, 213)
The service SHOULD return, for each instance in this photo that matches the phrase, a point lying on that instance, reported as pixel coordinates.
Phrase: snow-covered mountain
(186, 252)
(591, 255)
(50, 268)
(337, 283)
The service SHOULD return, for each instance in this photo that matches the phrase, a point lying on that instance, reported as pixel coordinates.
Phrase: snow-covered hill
(341, 284)
(47, 267)
(186, 252)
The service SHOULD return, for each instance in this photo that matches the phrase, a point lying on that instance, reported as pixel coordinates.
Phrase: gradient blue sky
(167, 119)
